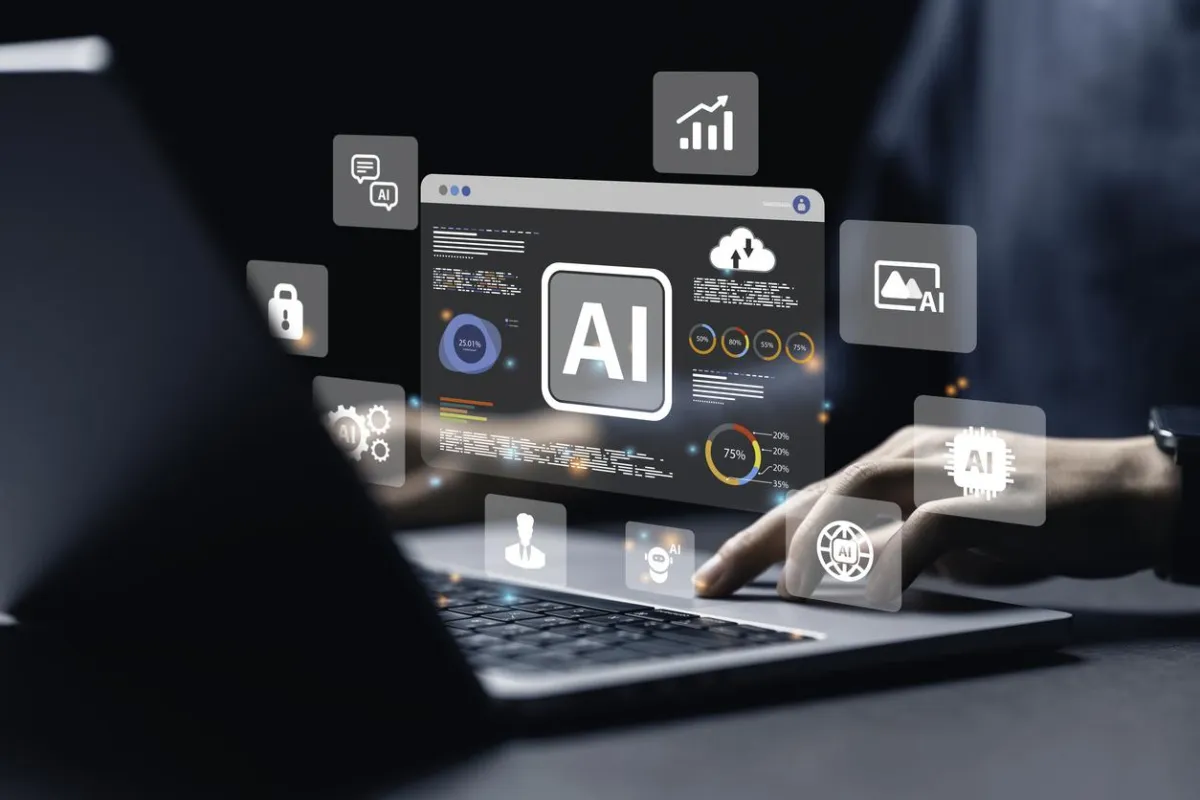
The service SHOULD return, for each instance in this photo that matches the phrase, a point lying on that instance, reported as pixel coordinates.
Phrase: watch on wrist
(1176, 431)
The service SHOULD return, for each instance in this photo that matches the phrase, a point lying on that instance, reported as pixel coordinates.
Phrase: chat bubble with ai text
(364, 167)
(384, 194)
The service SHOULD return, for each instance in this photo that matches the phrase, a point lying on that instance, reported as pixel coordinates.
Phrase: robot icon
(659, 561)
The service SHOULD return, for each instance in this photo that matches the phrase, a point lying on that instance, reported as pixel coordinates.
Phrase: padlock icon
(285, 312)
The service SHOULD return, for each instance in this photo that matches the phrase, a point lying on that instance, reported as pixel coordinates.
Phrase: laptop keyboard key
(448, 616)
(512, 615)
(474, 623)
(479, 609)
(663, 615)
(702, 624)
(645, 626)
(543, 606)
(573, 613)
(615, 636)
(611, 619)
(507, 631)
(543, 623)
(689, 636)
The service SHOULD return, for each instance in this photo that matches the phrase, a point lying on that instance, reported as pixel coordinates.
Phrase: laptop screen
(684, 322)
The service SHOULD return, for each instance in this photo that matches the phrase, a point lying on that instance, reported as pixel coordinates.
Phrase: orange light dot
(446, 314)
(951, 390)
(442, 601)
(455, 577)
(813, 364)
(823, 417)
(963, 383)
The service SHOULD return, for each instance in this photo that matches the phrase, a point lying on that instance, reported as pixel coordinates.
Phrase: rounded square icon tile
(626, 312)
(981, 460)
(525, 540)
(908, 285)
(660, 559)
(705, 123)
(845, 550)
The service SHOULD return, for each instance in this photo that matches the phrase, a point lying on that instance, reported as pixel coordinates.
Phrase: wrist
(1155, 479)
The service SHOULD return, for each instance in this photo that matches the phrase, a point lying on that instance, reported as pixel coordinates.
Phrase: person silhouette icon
(523, 554)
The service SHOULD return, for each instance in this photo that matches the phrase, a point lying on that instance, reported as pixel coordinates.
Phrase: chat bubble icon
(364, 167)
(384, 194)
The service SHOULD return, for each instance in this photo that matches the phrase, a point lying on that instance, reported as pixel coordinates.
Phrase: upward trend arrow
(721, 100)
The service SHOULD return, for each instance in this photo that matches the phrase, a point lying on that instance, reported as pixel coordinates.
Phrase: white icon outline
(605, 411)
(535, 558)
(281, 325)
(696, 140)
(658, 563)
(741, 251)
(385, 205)
(986, 485)
(937, 281)
(378, 167)
(845, 571)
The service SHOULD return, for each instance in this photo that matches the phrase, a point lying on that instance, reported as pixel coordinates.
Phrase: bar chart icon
(722, 135)
(694, 121)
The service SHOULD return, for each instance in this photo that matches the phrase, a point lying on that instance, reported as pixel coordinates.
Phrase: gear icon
(376, 446)
(381, 428)
(344, 414)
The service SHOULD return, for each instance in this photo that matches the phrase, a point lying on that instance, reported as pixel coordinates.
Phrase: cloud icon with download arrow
(741, 251)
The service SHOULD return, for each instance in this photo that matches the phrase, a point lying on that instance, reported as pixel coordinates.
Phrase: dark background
(247, 110)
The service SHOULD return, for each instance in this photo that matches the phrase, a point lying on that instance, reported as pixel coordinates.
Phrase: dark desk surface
(1116, 714)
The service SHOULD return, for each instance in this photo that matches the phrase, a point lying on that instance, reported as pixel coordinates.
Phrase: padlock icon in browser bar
(285, 312)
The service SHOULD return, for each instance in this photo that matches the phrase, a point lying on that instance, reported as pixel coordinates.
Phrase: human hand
(432, 496)
(1109, 510)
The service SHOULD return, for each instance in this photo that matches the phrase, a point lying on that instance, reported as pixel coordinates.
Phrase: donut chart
(739, 449)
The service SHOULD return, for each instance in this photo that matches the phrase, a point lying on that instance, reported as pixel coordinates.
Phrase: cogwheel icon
(379, 429)
(380, 450)
(344, 414)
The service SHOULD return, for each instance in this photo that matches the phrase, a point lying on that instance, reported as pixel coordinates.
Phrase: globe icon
(845, 551)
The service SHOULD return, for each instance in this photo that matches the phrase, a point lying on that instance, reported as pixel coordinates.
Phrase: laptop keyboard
(532, 630)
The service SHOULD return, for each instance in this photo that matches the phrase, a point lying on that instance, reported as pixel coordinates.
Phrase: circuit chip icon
(980, 462)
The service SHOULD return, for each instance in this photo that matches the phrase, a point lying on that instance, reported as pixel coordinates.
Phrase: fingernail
(709, 575)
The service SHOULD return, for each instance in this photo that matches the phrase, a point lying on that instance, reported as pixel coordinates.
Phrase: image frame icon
(882, 263)
(607, 411)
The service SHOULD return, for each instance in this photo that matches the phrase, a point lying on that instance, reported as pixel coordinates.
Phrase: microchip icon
(980, 462)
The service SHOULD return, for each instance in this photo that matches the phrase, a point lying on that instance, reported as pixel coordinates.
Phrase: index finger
(744, 556)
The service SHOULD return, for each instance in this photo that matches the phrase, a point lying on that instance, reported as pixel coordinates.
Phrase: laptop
(174, 508)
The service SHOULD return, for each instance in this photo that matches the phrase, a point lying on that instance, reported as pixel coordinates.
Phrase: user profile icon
(801, 204)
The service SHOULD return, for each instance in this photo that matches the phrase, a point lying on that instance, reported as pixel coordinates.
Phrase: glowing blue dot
(435, 481)
(510, 363)
(827, 405)
(454, 190)
(414, 401)
(466, 191)
(780, 498)
(693, 449)
(629, 451)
